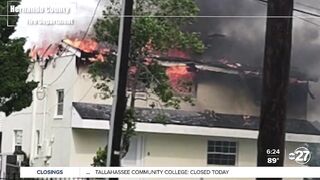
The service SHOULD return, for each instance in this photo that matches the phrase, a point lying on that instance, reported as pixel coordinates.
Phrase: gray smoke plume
(237, 39)
(242, 39)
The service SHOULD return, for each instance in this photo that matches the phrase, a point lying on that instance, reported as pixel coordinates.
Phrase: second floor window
(60, 99)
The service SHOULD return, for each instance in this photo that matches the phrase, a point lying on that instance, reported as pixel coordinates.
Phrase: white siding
(2, 116)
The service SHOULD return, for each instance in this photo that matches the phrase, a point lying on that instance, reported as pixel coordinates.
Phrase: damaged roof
(190, 118)
(226, 66)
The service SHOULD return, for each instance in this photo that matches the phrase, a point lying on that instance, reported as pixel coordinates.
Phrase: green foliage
(99, 160)
(128, 130)
(15, 92)
(152, 31)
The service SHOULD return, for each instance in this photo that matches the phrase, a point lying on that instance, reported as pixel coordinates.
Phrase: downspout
(44, 117)
(34, 114)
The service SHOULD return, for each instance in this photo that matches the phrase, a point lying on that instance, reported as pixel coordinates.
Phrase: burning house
(66, 124)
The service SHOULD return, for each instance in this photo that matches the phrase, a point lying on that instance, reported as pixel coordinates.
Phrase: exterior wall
(224, 93)
(234, 94)
(174, 150)
(58, 75)
(2, 116)
(184, 150)
(84, 90)
(17, 121)
(86, 142)
(55, 133)
(84, 145)
(163, 149)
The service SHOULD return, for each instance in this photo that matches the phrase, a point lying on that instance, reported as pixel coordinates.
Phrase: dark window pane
(219, 149)
(225, 149)
(233, 150)
(210, 148)
(60, 96)
(225, 143)
(60, 99)
(60, 109)
(221, 159)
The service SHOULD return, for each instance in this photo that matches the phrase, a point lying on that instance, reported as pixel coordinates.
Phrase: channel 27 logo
(301, 155)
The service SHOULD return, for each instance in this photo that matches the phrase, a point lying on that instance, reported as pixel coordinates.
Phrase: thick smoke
(242, 39)
(41, 35)
(237, 39)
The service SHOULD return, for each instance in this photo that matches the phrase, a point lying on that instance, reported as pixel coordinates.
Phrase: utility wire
(308, 6)
(301, 18)
(298, 10)
(84, 36)
(308, 21)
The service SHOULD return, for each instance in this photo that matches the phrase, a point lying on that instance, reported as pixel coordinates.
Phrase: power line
(301, 18)
(297, 10)
(84, 36)
(62, 72)
(308, 21)
(308, 6)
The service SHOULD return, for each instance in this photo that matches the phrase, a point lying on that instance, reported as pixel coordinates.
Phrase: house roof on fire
(221, 65)
(190, 118)
(229, 67)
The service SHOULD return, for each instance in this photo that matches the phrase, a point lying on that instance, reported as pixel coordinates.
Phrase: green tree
(15, 92)
(155, 29)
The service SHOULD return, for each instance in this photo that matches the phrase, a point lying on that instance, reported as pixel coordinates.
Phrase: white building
(66, 125)
(2, 116)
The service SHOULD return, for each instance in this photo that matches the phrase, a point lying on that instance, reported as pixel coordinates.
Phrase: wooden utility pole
(276, 70)
(119, 98)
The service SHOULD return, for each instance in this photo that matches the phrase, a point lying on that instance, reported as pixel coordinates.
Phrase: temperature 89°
(273, 151)
(272, 160)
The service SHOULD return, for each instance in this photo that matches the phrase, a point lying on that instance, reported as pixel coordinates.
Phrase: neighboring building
(66, 124)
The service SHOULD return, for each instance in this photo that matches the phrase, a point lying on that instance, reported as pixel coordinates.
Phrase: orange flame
(177, 53)
(179, 75)
(88, 46)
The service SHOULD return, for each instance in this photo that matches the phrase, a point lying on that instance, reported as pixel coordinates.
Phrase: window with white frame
(222, 153)
(60, 99)
(18, 139)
